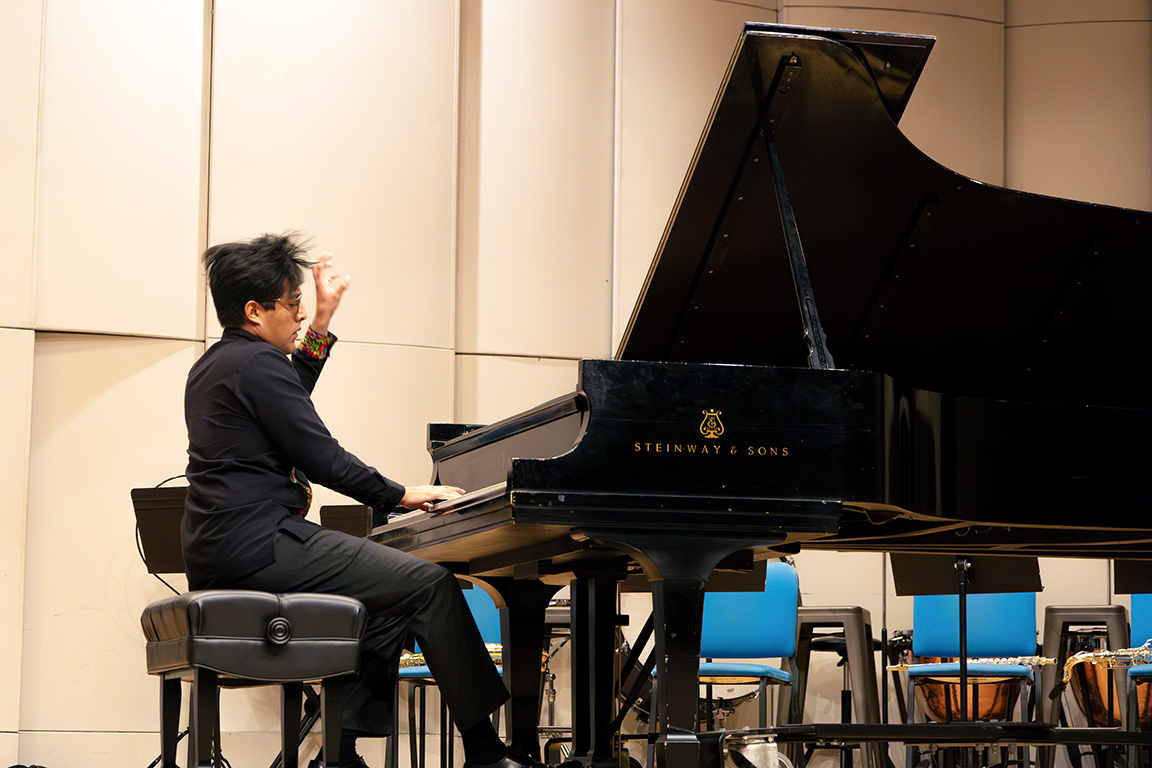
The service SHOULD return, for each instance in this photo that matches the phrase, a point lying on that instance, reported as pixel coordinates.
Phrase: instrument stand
(962, 566)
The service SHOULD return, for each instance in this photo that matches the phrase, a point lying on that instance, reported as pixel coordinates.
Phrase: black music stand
(960, 575)
(353, 519)
(1132, 577)
(158, 515)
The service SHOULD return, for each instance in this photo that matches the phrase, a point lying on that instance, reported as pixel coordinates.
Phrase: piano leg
(677, 603)
(523, 607)
(593, 662)
(677, 566)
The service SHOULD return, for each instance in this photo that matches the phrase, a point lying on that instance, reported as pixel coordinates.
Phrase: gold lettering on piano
(700, 449)
(711, 427)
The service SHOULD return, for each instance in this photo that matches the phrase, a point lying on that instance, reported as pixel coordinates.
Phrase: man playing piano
(255, 440)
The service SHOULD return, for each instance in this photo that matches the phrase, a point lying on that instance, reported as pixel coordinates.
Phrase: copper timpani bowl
(986, 701)
(1089, 685)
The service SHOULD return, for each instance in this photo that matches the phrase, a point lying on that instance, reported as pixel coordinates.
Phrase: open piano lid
(943, 282)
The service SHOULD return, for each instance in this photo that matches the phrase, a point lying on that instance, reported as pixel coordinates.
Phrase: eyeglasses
(292, 305)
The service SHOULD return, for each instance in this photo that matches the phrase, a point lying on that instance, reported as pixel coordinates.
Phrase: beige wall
(1079, 129)
(118, 174)
(20, 38)
(494, 175)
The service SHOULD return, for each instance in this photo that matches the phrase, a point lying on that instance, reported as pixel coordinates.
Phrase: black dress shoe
(511, 761)
(518, 758)
(355, 761)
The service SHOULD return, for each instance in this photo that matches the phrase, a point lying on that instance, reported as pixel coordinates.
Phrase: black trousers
(403, 594)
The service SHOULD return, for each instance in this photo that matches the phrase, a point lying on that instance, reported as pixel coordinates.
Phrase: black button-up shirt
(254, 442)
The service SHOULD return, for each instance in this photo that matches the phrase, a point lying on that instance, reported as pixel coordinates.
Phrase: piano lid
(946, 283)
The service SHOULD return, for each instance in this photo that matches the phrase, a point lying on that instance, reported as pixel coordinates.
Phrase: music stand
(1132, 577)
(158, 515)
(353, 519)
(958, 575)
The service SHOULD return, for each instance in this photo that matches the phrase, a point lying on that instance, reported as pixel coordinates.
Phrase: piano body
(840, 344)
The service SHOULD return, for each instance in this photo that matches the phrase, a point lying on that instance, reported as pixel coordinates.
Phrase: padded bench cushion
(255, 635)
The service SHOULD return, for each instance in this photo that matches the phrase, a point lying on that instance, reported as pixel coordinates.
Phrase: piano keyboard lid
(943, 282)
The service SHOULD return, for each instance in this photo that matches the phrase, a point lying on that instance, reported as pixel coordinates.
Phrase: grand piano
(841, 345)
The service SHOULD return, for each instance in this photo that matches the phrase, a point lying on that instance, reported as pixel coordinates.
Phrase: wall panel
(984, 10)
(1079, 125)
(241, 748)
(9, 747)
(672, 58)
(1069, 581)
(15, 425)
(490, 388)
(337, 119)
(21, 24)
(1020, 13)
(107, 416)
(536, 178)
(118, 214)
(103, 750)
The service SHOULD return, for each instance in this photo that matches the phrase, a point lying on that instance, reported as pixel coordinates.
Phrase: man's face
(280, 325)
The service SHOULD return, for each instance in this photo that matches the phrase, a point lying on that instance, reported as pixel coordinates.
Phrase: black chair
(237, 638)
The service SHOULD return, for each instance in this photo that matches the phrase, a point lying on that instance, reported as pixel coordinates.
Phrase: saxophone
(1125, 657)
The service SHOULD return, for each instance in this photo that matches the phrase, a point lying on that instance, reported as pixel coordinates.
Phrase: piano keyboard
(480, 494)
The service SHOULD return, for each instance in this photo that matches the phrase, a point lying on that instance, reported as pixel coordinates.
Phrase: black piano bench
(235, 638)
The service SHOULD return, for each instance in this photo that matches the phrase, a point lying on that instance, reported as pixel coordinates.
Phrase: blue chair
(1000, 625)
(419, 679)
(1141, 674)
(753, 625)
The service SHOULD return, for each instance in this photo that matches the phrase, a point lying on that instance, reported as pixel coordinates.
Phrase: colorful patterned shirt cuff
(314, 345)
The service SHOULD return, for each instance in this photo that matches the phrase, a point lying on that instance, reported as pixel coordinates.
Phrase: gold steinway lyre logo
(712, 426)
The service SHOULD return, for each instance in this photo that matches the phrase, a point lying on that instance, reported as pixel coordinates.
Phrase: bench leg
(331, 713)
(205, 716)
(169, 720)
(291, 700)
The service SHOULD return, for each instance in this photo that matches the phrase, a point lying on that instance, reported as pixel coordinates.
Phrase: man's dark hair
(253, 270)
